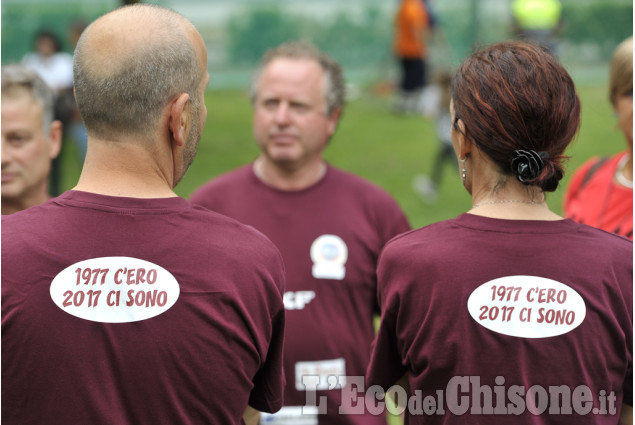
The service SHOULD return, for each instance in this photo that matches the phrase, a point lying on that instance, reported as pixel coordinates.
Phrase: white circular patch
(329, 254)
(527, 307)
(114, 290)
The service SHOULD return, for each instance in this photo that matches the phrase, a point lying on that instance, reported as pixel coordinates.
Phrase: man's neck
(289, 179)
(118, 169)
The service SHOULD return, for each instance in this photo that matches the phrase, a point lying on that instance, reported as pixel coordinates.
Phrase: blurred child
(600, 192)
(436, 105)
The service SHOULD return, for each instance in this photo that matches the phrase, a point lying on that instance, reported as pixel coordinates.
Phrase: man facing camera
(328, 224)
(31, 138)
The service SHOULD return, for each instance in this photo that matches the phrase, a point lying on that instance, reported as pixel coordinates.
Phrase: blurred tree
(127, 2)
(352, 42)
(604, 24)
(355, 42)
(251, 35)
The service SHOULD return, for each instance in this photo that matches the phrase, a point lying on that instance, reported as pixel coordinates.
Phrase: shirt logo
(329, 254)
(297, 300)
(114, 290)
(527, 307)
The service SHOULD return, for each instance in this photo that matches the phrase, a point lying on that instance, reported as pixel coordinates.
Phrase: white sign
(322, 374)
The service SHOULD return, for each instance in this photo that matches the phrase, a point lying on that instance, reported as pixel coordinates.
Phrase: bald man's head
(129, 64)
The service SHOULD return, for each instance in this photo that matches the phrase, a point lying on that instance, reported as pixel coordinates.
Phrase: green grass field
(374, 143)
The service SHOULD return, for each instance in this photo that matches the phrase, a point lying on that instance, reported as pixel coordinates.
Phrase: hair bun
(526, 165)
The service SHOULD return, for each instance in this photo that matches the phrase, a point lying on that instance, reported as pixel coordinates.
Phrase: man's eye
(301, 107)
(17, 139)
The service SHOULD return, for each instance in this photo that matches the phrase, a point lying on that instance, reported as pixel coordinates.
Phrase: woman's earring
(463, 170)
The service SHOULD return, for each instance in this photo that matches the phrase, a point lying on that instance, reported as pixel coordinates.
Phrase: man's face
(27, 150)
(290, 122)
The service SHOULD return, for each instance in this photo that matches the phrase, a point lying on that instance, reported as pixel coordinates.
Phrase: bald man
(122, 303)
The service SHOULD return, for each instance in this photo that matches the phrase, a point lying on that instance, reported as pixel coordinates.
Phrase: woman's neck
(510, 199)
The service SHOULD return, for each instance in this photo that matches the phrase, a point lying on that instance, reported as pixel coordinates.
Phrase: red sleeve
(576, 182)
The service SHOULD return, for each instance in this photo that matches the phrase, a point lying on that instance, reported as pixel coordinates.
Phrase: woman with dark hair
(508, 313)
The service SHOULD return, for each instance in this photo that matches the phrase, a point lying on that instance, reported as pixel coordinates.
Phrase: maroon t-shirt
(330, 236)
(137, 311)
(518, 307)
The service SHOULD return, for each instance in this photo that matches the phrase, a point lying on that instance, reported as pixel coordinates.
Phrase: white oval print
(115, 289)
(527, 307)
(329, 254)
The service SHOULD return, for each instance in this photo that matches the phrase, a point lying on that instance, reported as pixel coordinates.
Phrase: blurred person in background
(49, 60)
(75, 128)
(436, 105)
(600, 192)
(412, 27)
(31, 138)
(328, 224)
(462, 310)
(538, 21)
(56, 68)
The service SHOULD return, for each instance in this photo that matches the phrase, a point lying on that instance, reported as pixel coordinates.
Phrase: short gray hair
(335, 89)
(129, 97)
(17, 78)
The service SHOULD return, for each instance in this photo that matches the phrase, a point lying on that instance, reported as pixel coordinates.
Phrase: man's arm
(251, 416)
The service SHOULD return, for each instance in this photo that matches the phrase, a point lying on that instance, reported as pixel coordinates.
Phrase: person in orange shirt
(600, 193)
(412, 25)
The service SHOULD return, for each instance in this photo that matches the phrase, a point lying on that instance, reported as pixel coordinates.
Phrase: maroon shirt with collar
(506, 303)
(213, 345)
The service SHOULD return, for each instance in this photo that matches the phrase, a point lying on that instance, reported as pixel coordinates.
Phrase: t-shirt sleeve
(267, 395)
(627, 294)
(203, 196)
(386, 365)
(392, 221)
(575, 184)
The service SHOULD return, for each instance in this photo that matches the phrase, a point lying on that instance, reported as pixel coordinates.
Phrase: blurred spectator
(412, 25)
(436, 105)
(75, 128)
(538, 21)
(56, 69)
(50, 62)
(600, 193)
(31, 138)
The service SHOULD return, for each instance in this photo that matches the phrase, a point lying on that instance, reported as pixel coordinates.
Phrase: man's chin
(283, 155)
(10, 191)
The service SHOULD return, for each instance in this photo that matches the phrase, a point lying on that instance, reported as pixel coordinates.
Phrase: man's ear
(333, 119)
(179, 120)
(55, 139)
